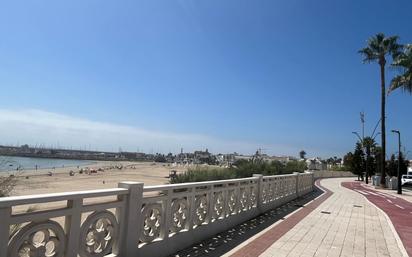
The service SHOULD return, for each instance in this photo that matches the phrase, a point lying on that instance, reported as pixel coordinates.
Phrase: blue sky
(224, 75)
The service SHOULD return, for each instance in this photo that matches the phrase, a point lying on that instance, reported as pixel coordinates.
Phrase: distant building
(315, 164)
(243, 157)
(283, 159)
(225, 159)
(202, 157)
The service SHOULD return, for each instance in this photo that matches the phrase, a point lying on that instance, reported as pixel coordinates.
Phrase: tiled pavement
(345, 224)
(398, 209)
(224, 242)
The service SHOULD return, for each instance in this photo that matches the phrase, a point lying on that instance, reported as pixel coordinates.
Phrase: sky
(230, 76)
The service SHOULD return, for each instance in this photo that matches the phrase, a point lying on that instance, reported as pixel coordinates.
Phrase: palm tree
(302, 154)
(377, 49)
(404, 63)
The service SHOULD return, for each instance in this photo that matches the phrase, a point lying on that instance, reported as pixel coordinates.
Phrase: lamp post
(377, 134)
(366, 156)
(399, 160)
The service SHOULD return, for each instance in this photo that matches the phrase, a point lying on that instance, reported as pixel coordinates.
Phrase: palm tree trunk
(383, 129)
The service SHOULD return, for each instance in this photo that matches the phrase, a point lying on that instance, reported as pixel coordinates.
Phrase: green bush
(337, 168)
(240, 169)
(202, 173)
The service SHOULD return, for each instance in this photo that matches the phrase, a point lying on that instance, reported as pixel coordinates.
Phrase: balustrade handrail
(197, 184)
(54, 197)
(280, 176)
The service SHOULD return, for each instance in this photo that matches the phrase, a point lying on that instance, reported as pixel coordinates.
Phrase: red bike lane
(398, 210)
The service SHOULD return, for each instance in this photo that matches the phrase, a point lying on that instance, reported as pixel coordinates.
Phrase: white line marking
(389, 200)
(399, 206)
(360, 191)
(387, 195)
(372, 193)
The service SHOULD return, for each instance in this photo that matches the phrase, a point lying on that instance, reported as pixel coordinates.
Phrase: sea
(13, 163)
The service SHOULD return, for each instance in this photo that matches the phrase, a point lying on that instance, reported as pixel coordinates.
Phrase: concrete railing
(139, 220)
(331, 174)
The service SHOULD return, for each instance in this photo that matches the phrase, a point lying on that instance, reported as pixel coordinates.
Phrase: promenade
(344, 224)
(339, 222)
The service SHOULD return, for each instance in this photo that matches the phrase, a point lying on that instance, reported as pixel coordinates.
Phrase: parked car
(406, 179)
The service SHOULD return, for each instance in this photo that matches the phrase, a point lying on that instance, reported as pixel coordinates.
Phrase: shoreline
(28, 164)
(105, 174)
(96, 166)
(64, 157)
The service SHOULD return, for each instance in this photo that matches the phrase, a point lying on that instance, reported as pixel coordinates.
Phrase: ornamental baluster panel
(62, 224)
(134, 220)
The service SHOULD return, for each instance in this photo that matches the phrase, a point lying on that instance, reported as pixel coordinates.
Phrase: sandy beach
(107, 175)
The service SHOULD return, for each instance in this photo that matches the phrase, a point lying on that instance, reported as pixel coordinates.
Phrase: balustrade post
(191, 210)
(5, 214)
(260, 192)
(72, 226)
(211, 199)
(313, 181)
(167, 215)
(297, 183)
(130, 220)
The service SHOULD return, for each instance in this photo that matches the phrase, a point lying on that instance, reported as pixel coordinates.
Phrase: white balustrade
(140, 221)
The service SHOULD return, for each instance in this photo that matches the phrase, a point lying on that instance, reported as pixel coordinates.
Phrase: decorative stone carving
(180, 212)
(42, 239)
(244, 198)
(218, 205)
(97, 234)
(273, 192)
(232, 202)
(265, 193)
(201, 205)
(253, 198)
(152, 222)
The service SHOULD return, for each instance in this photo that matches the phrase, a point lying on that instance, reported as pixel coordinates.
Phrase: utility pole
(361, 140)
(362, 118)
(399, 161)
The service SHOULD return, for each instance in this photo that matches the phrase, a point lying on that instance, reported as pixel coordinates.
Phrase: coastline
(9, 164)
(107, 175)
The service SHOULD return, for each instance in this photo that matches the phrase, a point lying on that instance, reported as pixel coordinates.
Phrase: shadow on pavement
(223, 242)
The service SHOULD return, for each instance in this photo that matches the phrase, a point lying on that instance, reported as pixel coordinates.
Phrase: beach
(98, 175)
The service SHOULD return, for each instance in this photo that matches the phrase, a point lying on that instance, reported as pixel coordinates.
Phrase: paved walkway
(398, 209)
(344, 224)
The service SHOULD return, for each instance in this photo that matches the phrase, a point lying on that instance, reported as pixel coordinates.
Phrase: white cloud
(53, 129)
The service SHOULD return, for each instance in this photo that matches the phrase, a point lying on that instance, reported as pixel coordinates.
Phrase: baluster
(210, 203)
(5, 213)
(259, 197)
(130, 220)
(192, 208)
(72, 227)
(166, 215)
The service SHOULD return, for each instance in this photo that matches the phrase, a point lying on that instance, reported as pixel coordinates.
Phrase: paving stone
(354, 227)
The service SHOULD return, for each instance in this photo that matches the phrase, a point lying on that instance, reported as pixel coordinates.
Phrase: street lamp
(399, 160)
(376, 135)
(357, 134)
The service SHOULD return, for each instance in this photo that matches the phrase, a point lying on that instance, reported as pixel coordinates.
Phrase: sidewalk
(344, 224)
(395, 206)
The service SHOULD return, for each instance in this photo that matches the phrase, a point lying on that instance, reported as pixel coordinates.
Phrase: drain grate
(325, 212)
(357, 206)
